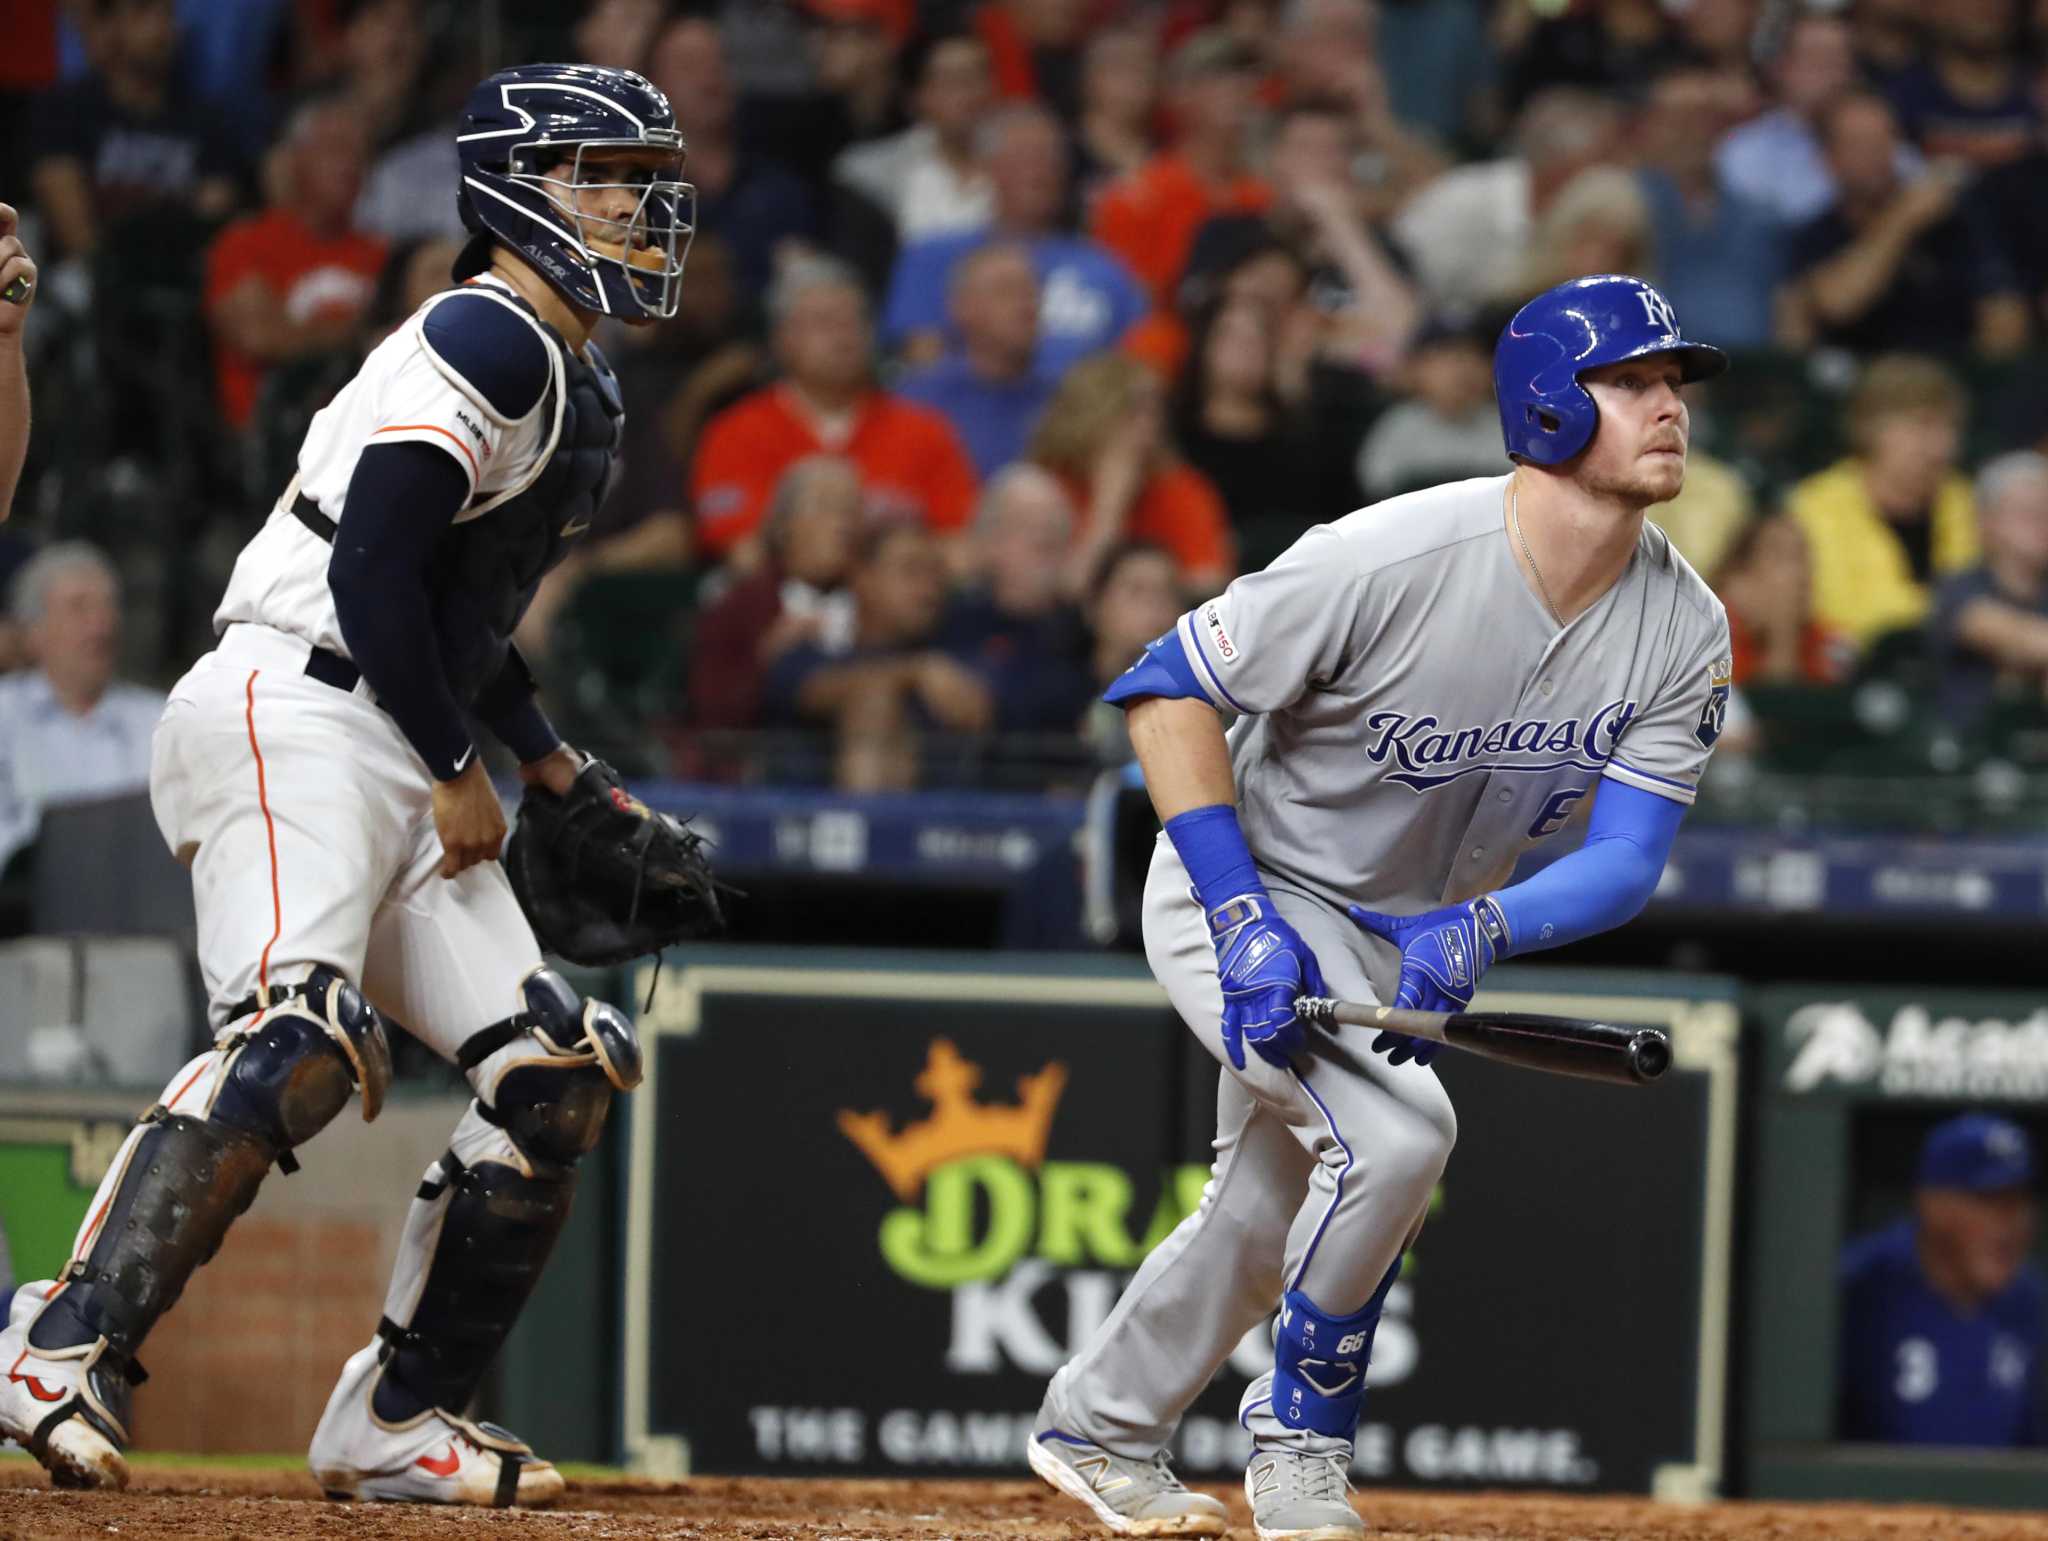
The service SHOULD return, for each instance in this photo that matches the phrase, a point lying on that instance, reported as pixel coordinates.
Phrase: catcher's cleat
(1130, 1496)
(51, 1402)
(434, 1457)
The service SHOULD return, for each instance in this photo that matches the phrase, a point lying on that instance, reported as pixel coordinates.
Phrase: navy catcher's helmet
(522, 123)
(1546, 416)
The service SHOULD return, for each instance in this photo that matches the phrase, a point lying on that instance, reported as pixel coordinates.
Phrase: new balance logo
(1101, 1475)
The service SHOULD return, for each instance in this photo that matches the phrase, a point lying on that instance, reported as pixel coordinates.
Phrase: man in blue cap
(1421, 691)
(1941, 1312)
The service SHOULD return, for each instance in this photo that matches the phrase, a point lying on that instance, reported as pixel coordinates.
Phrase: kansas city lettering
(1429, 755)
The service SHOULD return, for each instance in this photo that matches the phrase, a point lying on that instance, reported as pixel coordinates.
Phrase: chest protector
(489, 563)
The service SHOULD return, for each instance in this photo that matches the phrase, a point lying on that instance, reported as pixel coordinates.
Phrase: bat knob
(1649, 1054)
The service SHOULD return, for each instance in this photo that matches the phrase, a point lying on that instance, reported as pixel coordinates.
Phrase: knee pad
(286, 1078)
(552, 1102)
(1319, 1362)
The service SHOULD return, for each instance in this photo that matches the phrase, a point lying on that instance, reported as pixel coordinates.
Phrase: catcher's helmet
(522, 122)
(1546, 416)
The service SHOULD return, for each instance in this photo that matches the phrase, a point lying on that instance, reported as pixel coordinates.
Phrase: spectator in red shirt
(1766, 581)
(912, 464)
(1150, 218)
(797, 596)
(1105, 436)
(297, 279)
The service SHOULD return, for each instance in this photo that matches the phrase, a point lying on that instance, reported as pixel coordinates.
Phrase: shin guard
(1319, 1362)
(488, 1212)
(181, 1179)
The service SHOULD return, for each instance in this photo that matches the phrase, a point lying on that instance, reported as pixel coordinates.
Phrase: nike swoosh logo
(467, 754)
(444, 1467)
(575, 526)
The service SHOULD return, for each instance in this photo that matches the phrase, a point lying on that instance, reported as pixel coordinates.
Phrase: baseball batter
(316, 771)
(1423, 690)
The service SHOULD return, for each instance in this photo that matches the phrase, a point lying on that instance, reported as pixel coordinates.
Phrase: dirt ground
(261, 1505)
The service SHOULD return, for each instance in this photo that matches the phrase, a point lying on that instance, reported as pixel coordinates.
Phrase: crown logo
(959, 1126)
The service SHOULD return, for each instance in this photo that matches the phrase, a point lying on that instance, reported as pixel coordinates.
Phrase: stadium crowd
(1013, 326)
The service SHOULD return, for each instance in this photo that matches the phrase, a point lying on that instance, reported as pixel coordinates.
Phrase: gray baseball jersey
(1413, 719)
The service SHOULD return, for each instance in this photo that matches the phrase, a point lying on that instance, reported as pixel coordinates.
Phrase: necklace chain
(1515, 518)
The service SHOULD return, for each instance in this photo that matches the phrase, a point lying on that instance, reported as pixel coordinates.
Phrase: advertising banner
(873, 1210)
(1882, 1044)
(55, 1146)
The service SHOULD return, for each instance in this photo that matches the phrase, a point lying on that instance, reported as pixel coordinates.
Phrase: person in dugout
(1941, 1329)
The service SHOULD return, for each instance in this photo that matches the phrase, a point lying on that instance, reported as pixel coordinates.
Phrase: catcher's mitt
(603, 878)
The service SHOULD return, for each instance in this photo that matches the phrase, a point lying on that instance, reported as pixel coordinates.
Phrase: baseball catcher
(317, 773)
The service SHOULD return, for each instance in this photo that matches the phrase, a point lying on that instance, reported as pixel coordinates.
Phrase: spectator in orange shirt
(1105, 436)
(912, 464)
(296, 280)
(1150, 218)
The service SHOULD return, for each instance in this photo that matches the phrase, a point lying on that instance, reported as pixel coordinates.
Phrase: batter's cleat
(1130, 1496)
(433, 1458)
(54, 1405)
(1301, 1497)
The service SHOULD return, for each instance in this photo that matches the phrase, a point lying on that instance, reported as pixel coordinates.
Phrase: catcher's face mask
(632, 213)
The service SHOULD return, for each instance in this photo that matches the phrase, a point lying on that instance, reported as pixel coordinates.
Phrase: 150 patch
(1225, 649)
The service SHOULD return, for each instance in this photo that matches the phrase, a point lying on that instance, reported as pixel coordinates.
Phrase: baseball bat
(1574, 1046)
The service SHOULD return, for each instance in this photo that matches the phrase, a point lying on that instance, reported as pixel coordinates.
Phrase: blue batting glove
(1264, 967)
(1443, 954)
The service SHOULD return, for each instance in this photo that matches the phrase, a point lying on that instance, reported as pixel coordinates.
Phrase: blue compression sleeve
(1602, 884)
(1162, 669)
(1212, 848)
(400, 499)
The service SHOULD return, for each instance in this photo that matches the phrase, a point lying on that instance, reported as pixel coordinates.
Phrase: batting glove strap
(1263, 966)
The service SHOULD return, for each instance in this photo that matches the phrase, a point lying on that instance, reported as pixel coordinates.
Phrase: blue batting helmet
(1546, 416)
(524, 124)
